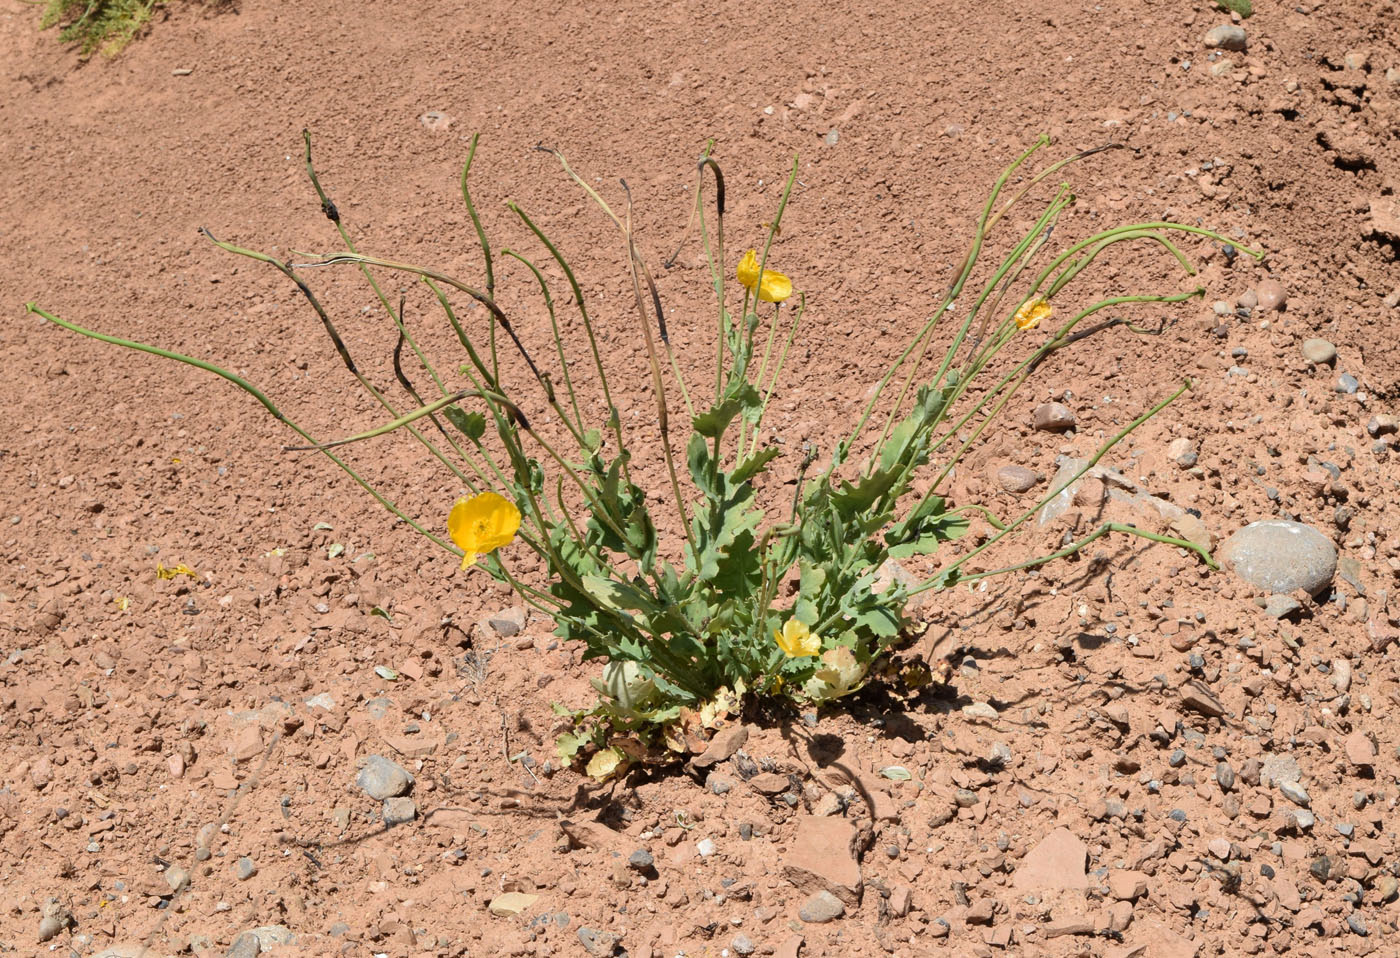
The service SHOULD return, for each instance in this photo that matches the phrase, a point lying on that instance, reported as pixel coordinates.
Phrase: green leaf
(1243, 7)
(924, 529)
(335, 550)
(712, 424)
(470, 424)
(381, 613)
(753, 465)
(386, 673)
(568, 745)
(322, 527)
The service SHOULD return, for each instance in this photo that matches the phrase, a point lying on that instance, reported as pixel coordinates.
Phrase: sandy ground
(1131, 757)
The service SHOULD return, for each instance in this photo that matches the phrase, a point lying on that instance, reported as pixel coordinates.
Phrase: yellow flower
(1032, 312)
(796, 640)
(482, 524)
(775, 286)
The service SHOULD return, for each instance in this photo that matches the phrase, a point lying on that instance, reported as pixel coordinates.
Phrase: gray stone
(743, 945)
(1052, 417)
(1347, 384)
(1279, 556)
(398, 811)
(641, 860)
(1357, 924)
(1225, 776)
(1319, 352)
(820, 908)
(1295, 793)
(245, 868)
(176, 877)
(381, 778)
(1279, 606)
(1382, 425)
(1227, 36)
(1280, 768)
(600, 944)
(508, 622)
(245, 945)
(1017, 479)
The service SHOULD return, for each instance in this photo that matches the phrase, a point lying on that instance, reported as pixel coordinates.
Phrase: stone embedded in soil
(1361, 751)
(1382, 425)
(1279, 556)
(245, 868)
(1227, 36)
(1017, 479)
(1052, 417)
(1127, 885)
(1295, 793)
(982, 912)
(381, 778)
(821, 907)
(245, 945)
(590, 835)
(1199, 698)
(770, 783)
(1319, 352)
(822, 857)
(399, 811)
(1385, 217)
(1057, 862)
(508, 622)
(1272, 295)
(1281, 606)
(511, 903)
(599, 944)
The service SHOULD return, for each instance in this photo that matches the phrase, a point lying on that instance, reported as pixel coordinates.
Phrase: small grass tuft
(106, 25)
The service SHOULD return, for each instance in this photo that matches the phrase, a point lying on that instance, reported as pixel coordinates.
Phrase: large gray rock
(1278, 556)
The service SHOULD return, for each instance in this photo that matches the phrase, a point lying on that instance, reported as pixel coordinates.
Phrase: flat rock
(1279, 556)
(722, 747)
(820, 908)
(1319, 352)
(1056, 862)
(591, 835)
(822, 857)
(1360, 749)
(1197, 697)
(381, 778)
(399, 811)
(770, 783)
(511, 903)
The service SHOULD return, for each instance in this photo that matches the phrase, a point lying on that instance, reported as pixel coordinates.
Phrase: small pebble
(820, 908)
(1357, 924)
(1017, 479)
(1295, 793)
(1272, 295)
(245, 868)
(1227, 36)
(381, 778)
(641, 860)
(1319, 352)
(742, 945)
(1225, 776)
(1053, 417)
(1347, 384)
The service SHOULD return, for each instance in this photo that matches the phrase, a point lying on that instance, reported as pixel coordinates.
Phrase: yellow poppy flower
(796, 640)
(482, 524)
(775, 286)
(1032, 312)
